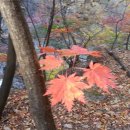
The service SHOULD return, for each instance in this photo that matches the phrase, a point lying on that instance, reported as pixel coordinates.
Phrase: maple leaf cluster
(66, 89)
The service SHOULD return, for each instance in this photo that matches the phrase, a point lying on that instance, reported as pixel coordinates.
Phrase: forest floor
(101, 112)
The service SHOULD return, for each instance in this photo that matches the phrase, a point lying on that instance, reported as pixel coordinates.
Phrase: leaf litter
(101, 112)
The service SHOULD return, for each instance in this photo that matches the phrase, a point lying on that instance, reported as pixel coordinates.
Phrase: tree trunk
(8, 76)
(27, 58)
(0, 24)
(127, 42)
(117, 59)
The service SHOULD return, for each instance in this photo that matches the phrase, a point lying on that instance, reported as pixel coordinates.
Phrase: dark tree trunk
(52, 14)
(8, 76)
(116, 37)
(127, 42)
(0, 24)
(117, 59)
(28, 61)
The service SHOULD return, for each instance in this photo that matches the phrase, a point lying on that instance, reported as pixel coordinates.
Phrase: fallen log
(117, 59)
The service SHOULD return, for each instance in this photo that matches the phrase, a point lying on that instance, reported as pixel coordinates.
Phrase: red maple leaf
(99, 75)
(65, 89)
(83, 51)
(66, 52)
(94, 53)
(47, 49)
(51, 62)
(77, 50)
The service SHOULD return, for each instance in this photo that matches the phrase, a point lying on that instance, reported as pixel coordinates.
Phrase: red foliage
(99, 75)
(47, 49)
(77, 50)
(50, 62)
(83, 51)
(65, 89)
(67, 52)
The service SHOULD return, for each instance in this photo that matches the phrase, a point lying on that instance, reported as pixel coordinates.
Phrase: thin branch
(33, 24)
(63, 14)
(52, 14)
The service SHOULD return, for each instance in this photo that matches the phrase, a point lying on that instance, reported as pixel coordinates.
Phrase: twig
(52, 14)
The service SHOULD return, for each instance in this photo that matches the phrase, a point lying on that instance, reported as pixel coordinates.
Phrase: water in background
(17, 80)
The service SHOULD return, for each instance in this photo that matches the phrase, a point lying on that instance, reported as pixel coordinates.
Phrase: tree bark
(117, 59)
(127, 42)
(8, 76)
(0, 24)
(27, 58)
(52, 14)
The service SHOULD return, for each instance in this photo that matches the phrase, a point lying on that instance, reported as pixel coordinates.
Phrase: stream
(17, 80)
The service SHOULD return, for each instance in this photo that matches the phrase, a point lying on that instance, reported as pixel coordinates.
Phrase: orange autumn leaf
(66, 52)
(65, 89)
(94, 53)
(50, 63)
(76, 50)
(83, 51)
(99, 75)
(47, 49)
